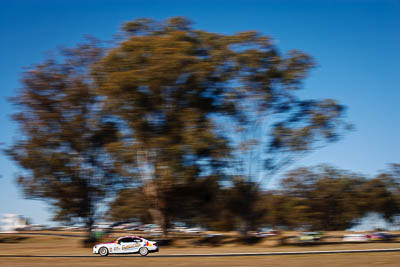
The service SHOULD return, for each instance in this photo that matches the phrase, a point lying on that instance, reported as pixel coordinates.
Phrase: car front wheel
(103, 251)
(143, 251)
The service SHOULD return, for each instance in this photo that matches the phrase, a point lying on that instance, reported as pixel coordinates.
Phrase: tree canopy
(185, 97)
(166, 107)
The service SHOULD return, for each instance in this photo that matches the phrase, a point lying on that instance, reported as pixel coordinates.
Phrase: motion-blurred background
(253, 117)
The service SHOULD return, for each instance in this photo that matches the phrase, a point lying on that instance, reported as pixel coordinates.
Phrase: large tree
(65, 138)
(188, 99)
(167, 106)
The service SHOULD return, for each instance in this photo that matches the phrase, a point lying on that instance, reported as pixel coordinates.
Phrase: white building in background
(11, 222)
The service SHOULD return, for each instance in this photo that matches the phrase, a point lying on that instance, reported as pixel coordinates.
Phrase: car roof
(131, 236)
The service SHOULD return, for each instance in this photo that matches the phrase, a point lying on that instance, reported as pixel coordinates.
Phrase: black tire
(143, 251)
(103, 251)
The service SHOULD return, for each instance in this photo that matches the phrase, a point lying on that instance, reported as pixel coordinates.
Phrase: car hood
(107, 243)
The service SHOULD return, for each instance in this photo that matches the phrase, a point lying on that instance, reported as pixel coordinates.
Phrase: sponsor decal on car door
(127, 245)
(138, 244)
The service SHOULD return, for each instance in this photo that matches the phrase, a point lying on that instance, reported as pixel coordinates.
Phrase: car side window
(126, 240)
(137, 240)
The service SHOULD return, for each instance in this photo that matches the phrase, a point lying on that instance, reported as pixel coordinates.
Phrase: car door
(127, 245)
(116, 247)
(138, 243)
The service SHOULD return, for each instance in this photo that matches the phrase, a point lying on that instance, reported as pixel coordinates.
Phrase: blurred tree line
(325, 198)
(171, 123)
(313, 198)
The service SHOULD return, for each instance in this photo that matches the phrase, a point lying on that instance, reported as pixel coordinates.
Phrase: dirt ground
(355, 260)
(59, 246)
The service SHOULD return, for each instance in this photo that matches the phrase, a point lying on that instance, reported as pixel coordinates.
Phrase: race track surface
(213, 255)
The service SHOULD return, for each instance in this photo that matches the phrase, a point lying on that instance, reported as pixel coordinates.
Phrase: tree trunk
(160, 217)
(158, 210)
(245, 228)
(90, 240)
(151, 192)
(165, 223)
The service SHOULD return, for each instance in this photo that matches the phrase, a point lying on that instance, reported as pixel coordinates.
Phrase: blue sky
(356, 44)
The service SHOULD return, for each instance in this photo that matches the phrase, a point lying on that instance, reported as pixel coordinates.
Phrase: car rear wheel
(103, 251)
(143, 251)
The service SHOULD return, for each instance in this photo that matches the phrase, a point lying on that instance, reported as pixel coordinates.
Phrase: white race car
(127, 244)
